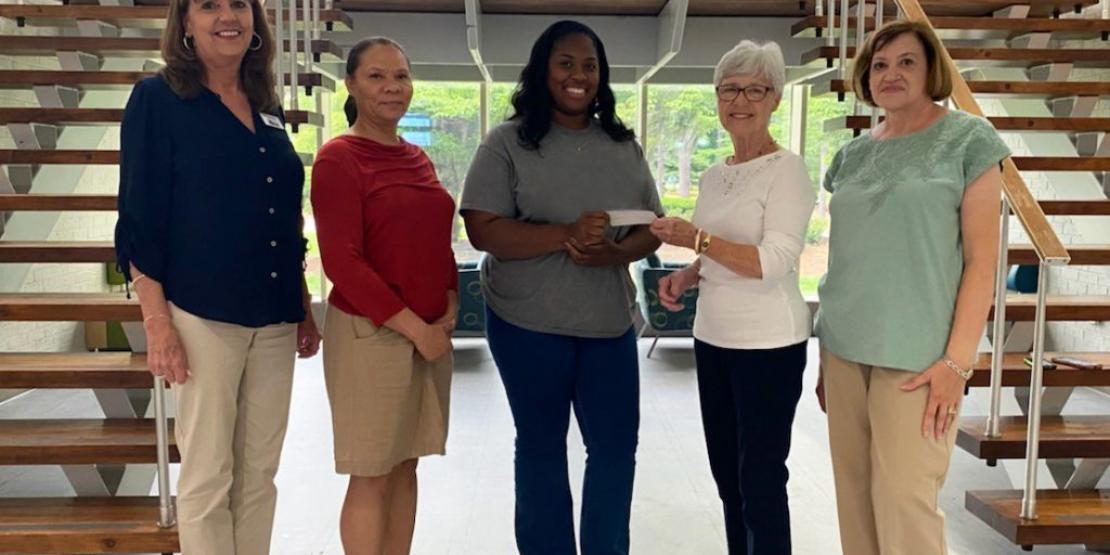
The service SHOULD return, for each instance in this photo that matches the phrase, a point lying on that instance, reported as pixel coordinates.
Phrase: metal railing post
(997, 352)
(167, 516)
(1032, 441)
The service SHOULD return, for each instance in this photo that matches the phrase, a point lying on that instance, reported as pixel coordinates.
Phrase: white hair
(748, 58)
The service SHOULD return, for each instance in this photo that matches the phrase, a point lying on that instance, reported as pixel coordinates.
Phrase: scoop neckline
(775, 152)
(931, 127)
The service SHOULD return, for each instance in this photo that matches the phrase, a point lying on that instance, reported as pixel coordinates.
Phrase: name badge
(272, 121)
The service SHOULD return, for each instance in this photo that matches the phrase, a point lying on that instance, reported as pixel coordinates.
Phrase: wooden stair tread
(84, 525)
(74, 371)
(65, 307)
(57, 251)
(1063, 516)
(80, 441)
(1062, 163)
(145, 47)
(1081, 255)
(99, 116)
(1023, 57)
(1000, 123)
(1016, 373)
(132, 16)
(82, 157)
(989, 27)
(1094, 207)
(23, 79)
(1062, 437)
(1037, 8)
(1049, 89)
(42, 202)
(1058, 308)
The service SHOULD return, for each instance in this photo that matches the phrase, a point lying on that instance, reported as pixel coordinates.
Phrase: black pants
(748, 399)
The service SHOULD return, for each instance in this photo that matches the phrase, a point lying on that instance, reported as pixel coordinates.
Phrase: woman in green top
(912, 255)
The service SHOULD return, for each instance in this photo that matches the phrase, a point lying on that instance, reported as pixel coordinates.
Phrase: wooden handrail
(1045, 241)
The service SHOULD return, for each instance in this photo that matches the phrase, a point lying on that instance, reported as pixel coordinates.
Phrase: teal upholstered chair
(662, 322)
(471, 321)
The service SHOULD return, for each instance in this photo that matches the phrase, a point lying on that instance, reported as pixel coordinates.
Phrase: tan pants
(230, 424)
(887, 474)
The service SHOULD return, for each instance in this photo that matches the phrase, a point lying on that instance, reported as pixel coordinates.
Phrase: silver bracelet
(965, 374)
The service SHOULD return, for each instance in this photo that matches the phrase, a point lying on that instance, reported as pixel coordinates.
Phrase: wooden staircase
(1078, 513)
(97, 520)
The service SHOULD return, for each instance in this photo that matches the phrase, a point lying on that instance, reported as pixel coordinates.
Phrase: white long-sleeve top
(765, 202)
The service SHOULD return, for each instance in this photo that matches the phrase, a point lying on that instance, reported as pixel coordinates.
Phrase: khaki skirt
(388, 404)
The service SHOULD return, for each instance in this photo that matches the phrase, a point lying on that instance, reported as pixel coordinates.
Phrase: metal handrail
(1046, 243)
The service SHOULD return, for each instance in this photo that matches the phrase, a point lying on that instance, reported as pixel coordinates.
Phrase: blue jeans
(545, 375)
(748, 399)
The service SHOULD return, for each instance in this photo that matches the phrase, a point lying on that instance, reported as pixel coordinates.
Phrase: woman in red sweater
(384, 225)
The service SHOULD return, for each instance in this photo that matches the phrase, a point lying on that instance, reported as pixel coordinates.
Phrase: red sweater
(384, 224)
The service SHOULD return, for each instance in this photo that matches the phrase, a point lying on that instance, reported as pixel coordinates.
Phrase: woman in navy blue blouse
(210, 234)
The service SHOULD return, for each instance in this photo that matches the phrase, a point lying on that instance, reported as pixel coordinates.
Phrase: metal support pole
(293, 81)
(309, 55)
(843, 39)
(1032, 441)
(279, 65)
(167, 516)
(879, 5)
(316, 19)
(829, 40)
(993, 421)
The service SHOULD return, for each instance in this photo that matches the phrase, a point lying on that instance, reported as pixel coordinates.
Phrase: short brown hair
(938, 81)
(184, 72)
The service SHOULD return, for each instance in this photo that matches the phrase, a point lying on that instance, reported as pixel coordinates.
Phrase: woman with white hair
(752, 323)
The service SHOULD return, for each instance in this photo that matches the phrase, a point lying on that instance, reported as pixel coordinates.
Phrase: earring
(185, 41)
(253, 46)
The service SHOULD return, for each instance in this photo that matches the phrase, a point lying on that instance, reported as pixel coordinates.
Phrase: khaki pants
(887, 474)
(231, 417)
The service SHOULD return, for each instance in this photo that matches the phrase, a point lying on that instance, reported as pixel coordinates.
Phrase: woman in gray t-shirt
(557, 288)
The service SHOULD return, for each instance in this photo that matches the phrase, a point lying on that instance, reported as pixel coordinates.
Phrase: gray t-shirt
(573, 171)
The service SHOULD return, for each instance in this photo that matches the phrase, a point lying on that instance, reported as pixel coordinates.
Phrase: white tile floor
(466, 498)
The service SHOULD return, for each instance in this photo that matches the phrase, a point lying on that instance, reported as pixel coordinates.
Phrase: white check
(618, 218)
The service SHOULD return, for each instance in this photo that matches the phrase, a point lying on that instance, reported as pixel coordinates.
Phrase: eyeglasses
(754, 93)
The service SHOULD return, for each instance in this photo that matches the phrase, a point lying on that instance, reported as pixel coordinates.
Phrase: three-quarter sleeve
(489, 183)
(338, 207)
(145, 187)
(786, 216)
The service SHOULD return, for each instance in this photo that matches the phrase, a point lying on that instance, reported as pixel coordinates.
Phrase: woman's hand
(605, 253)
(673, 285)
(433, 341)
(589, 229)
(308, 337)
(450, 317)
(946, 388)
(675, 231)
(165, 355)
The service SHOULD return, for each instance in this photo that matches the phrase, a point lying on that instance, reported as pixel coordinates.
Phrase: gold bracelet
(697, 242)
(153, 316)
(705, 243)
(136, 280)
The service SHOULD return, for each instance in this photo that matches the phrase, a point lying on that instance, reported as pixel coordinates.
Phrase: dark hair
(350, 107)
(185, 74)
(532, 102)
(938, 80)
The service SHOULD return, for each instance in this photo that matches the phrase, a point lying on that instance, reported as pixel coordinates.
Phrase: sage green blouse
(895, 250)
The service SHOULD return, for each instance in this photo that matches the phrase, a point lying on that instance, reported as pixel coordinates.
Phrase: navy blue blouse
(209, 209)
